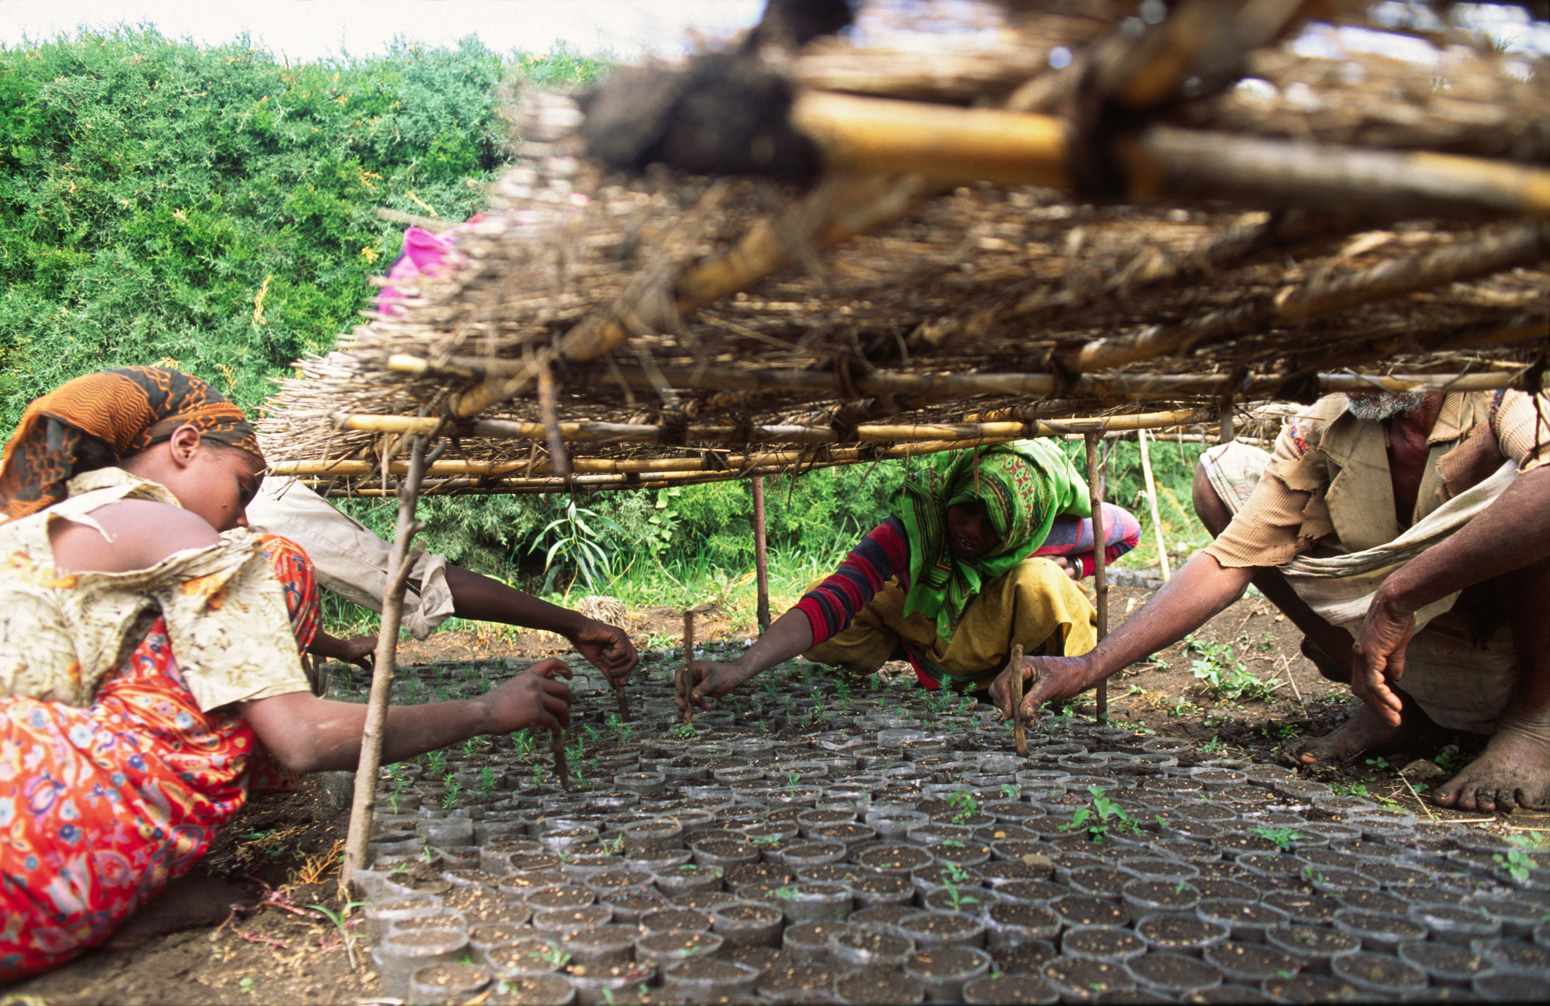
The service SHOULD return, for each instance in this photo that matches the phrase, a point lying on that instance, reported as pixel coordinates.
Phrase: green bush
(215, 207)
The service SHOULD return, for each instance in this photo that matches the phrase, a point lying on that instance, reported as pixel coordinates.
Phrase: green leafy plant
(487, 780)
(685, 731)
(339, 921)
(454, 791)
(958, 899)
(1010, 791)
(1225, 676)
(1282, 837)
(963, 805)
(1100, 816)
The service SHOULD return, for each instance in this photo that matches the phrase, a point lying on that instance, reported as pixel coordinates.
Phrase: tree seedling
(1100, 816)
(1282, 837)
(963, 804)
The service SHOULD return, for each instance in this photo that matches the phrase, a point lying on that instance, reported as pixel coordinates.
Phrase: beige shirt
(1328, 483)
(62, 634)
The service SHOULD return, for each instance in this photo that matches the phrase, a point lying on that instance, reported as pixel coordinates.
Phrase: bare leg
(1329, 648)
(1514, 769)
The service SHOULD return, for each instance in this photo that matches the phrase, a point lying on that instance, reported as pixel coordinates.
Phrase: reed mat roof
(772, 258)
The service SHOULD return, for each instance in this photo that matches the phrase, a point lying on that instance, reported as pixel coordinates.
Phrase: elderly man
(1408, 536)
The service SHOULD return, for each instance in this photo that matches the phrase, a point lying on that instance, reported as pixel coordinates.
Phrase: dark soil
(284, 848)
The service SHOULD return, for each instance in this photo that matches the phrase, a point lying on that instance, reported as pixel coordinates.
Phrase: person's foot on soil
(1365, 732)
(1513, 771)
(195, 899)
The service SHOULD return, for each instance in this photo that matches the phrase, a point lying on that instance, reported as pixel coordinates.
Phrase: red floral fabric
(100, 807)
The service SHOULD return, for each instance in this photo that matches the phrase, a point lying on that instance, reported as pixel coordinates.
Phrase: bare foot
(1365, 732)
(1513, 771)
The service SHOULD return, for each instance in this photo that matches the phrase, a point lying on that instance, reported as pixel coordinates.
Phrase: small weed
(1010, 791)
(338, 919)
(1517, 864)
(1224, 674)
(685, 731)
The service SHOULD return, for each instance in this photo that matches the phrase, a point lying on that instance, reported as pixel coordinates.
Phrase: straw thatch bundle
(1364, 215)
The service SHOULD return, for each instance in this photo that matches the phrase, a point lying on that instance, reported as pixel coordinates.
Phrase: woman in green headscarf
(981, 556)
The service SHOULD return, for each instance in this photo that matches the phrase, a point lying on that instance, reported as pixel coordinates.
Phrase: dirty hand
(1070, 565)
(609, 649)
(358, 650)
(1045, 679)
(534, 698)
(707, 680)
(1380, 658)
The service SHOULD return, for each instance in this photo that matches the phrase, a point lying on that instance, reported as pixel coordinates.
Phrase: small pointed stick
(557, 745)
(686, 675)
(624, 706)
(1019, 731)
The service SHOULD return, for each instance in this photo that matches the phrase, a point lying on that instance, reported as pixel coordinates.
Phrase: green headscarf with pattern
(1024, 485)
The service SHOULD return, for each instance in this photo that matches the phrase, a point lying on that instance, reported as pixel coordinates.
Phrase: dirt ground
(284, 848)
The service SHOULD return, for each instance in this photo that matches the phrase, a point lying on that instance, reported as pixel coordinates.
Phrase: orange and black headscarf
(98, 420)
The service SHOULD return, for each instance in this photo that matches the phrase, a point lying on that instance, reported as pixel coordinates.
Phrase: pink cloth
(423, 253)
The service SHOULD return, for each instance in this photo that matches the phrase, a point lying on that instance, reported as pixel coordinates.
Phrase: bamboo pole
(949, 386)
(384, 663)
(760, 558)
(1100, 573)
(1166, 160)
(1151, 500)
(865, 433)
(943, 143)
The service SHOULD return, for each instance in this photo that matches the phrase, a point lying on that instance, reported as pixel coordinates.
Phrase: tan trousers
(1034, 603)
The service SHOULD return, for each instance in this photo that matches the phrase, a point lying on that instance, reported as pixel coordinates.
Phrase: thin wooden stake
(1100, 575)
(761, 563)
(557, 745)
(624, 705)
(686, 674)
(383, 665)
(1151, 499)
(1019, 731)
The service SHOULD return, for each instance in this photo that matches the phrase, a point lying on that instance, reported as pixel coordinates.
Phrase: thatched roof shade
(1249, 242)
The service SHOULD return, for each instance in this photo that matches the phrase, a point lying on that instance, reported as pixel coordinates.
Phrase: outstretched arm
(309, 734)
(823, 611)
(1201, 588)
(790, 635)
(482, 599)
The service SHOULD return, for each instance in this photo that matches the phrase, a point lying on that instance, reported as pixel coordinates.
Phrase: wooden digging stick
(557, 745)
(1019, 731)
(686, 675)
(624, 707)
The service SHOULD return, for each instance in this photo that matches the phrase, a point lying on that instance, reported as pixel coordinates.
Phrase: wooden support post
(1019, 730)
(384, 663)
(761, 563)
(686, 673)
(1151, 499)
(1100, 574)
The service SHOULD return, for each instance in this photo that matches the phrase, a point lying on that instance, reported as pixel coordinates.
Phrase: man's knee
(1213, 513)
